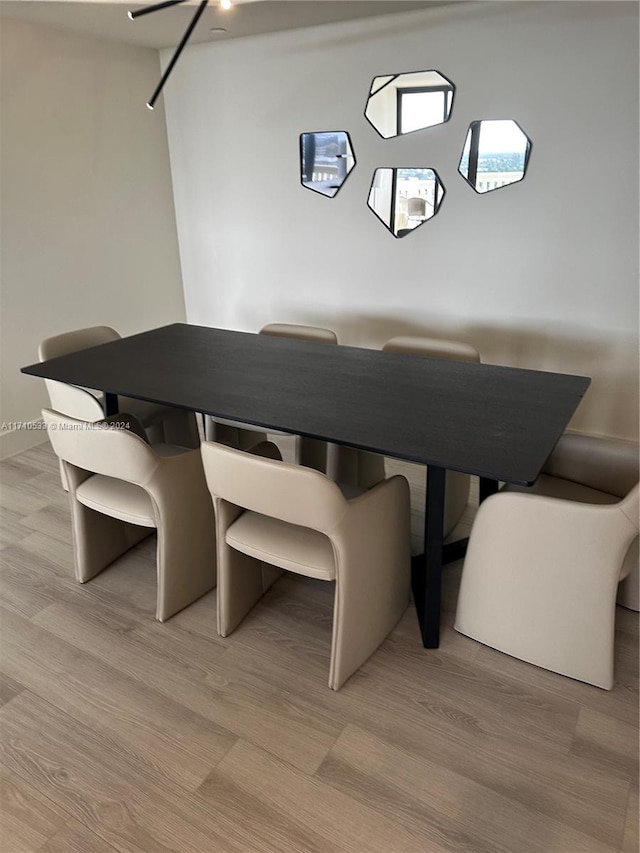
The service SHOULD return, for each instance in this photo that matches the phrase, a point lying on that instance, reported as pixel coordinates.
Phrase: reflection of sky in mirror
(501, 137)
(415, 174)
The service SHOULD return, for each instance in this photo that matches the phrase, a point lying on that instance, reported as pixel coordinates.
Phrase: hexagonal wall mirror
(403, 199)
(404, 103)
(326, 159)
(495, 154)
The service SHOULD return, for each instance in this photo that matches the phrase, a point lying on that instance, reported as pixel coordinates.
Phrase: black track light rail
(146, 10)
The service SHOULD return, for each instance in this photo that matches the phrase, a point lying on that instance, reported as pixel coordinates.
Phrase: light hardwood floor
(119, 733)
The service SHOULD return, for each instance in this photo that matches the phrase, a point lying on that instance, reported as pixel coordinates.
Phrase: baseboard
(15, 439)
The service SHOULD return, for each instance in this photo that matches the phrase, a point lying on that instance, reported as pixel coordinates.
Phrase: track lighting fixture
(156, 7)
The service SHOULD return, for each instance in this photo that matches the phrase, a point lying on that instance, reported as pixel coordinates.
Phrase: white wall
(542, 274)
(88, 227)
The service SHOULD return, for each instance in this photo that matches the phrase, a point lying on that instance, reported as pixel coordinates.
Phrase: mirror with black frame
(326, 159)
(404, 103)
(495, 154)
(403, 199)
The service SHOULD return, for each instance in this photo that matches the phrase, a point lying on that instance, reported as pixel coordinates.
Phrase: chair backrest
(70, 399)
(609, 465)
(302, 333)
(76, 340)
(432, 348)
(101, 448)
(73, 401)
(273, 488)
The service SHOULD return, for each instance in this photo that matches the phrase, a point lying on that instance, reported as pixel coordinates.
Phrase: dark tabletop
(497, 422)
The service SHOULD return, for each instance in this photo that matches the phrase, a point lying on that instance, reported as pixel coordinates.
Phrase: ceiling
(109, 20)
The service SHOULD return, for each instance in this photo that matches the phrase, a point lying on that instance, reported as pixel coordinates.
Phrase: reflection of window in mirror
(326, 159)
(422, 107)
(404, 103)
(495, 154)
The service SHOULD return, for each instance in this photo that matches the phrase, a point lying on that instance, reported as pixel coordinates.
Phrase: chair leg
(371, 597)
(240, 587)
(63, 476)
(98, 540)
(241, 579)
(186, 563)
(361, 622)
(629, 587)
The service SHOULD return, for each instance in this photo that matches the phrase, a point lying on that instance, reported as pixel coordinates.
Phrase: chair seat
(297, 549)
(118, 499)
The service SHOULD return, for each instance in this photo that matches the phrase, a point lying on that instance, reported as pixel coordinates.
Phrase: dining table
(496, 422)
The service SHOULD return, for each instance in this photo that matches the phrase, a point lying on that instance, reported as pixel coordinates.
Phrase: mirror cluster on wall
(495, 152)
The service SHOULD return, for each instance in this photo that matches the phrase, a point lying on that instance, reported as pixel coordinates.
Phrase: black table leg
(111, 404)
(427, 568)
(487, 488)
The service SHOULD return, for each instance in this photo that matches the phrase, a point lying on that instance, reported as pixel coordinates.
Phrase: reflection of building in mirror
(326, 158)
(405, 198)
(495, 154)
(404, 103)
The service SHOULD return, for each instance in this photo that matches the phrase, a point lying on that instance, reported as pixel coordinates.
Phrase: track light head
(147, 10)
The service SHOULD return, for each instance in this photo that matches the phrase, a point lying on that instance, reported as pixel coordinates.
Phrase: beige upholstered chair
(432, 348)
(121, 488)
(309, 452)
(301, 333)
(272, 516)
(163, 423)
(355, 466)
(544, 564)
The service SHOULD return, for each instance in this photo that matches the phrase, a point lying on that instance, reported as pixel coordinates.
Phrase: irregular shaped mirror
(495, 154)
(404, 103)
(326, 159)
(404, 199)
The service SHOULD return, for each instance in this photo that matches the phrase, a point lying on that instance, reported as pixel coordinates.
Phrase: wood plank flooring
(118, 733)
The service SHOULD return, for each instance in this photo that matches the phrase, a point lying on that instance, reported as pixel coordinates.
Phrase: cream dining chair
(121, 489)
(356, 466)
(163, 423)
(544, 565)
(309, 452)
(273, 516)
